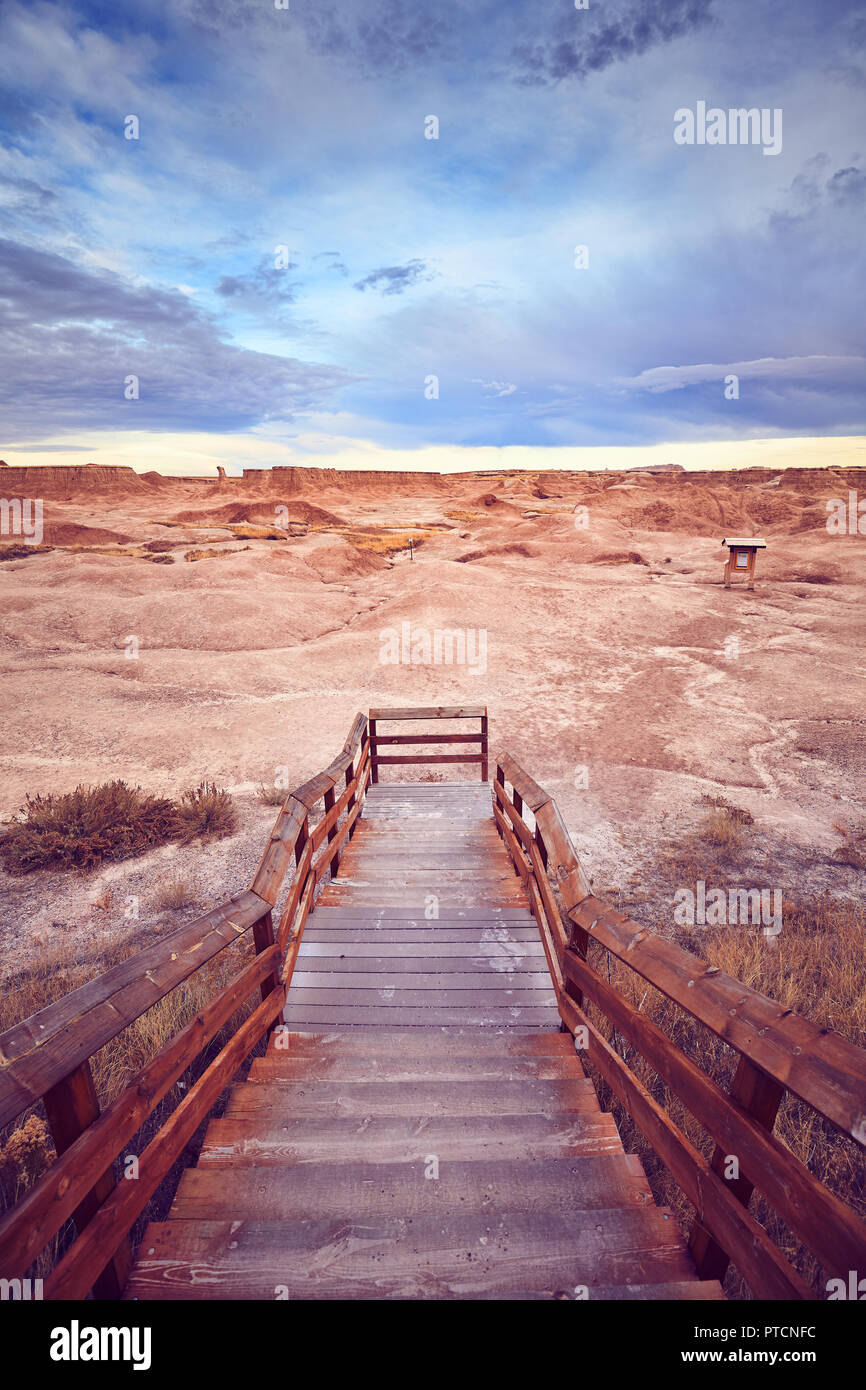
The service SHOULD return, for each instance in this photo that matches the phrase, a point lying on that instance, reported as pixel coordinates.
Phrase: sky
(280, 266)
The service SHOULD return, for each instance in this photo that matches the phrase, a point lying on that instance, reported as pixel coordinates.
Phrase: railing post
(759, 1095)
(263, 937)
(500, 781)
(484, 765)
(329, 806)
(374, 761)
(71, 1106)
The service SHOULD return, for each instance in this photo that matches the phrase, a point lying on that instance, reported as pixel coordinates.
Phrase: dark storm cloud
(394, 279)
(590, 41)
(70, 337)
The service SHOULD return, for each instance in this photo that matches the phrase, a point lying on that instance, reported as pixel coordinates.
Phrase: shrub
(206, 811)
(80, 829)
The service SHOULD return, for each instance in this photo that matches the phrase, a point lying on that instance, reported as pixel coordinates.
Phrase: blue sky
(409, 257)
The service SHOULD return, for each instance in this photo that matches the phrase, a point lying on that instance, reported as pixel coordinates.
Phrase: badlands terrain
(177, 630)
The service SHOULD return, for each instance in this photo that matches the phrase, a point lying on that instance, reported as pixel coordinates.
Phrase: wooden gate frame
(378, 740)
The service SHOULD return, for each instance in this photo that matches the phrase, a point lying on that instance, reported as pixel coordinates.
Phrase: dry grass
(458, 514)
(270, 795)
(852, 851)
(26, 1149)
(20, 550)
(205, 813)
(814, 968)
(246, 531)
(113, 821)
(207, 553)
(173, 894)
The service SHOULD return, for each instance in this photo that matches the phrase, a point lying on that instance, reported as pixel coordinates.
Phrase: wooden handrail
(779, 1051)
(378, 740)
(47, 1056)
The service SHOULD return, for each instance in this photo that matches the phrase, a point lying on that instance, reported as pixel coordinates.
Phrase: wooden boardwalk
(426, 925)
(424, 1130)
(420, 1124)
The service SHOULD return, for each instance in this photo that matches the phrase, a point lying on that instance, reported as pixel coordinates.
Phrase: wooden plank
(325, 914)
(78, 1269)
(71, 1107)
(603, 1182)
(826, 1225)
(28, 1226)
(758, 1259)
(495, 994)
(419, 941)
(433, 712)
(381, 1043)
(282, 1066)
(39, 1052)
(325, 1098)
(284, 1139)
(760, 1096)
(383, 758)
(381, 739)
(277, 853)
(386, 956)
(410, 984)
(445, 1255)
(528, 790)
(320, 1018)
(815, 1063)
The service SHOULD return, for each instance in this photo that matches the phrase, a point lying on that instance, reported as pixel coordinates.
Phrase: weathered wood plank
(434, 1256)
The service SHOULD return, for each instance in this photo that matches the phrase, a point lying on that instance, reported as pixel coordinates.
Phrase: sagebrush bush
(82, 828)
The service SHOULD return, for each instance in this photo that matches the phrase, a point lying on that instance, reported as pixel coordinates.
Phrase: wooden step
(276, 1067)
(376, 954)
(315, 1016)
(363, 1098)
(445, 1255)
(379, 1043)
(548, 1186)
(284, 1138)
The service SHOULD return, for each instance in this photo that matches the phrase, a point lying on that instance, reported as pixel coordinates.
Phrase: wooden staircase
(420, 1125)
(420, 1165)
(464, 1156)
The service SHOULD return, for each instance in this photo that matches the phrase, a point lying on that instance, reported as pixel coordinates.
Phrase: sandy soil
(645, 671)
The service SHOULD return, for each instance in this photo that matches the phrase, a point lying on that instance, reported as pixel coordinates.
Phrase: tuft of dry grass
(208, 553)
(173, 894)
(459, 514)
(206, 812)
(82, 828)
(247, 531)
(19, 550)
(270, 795)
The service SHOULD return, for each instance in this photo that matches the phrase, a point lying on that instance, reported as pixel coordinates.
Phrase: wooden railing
(47, 1057)
(778, 1052)
(378, 740)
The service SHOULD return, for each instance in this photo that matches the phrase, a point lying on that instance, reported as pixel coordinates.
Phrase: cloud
(844, 371)
(581, 43)
(499, 388)
(70, 337)
(394, 279)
